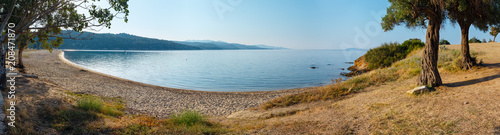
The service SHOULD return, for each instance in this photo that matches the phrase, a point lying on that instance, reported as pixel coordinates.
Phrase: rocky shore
(360, 66)
(142, 98)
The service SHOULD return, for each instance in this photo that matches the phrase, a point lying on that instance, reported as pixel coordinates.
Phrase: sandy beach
(139, 97)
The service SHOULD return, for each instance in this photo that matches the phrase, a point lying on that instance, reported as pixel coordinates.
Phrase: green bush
(90, 104)
(474, 40)
(412, 44)
(188, 118)
(388, 53)
(444, 42)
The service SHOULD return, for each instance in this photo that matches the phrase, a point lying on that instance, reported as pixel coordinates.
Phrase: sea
(220, 70)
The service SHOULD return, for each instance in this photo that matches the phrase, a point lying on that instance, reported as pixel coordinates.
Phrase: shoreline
(62, 58)
(145, 98)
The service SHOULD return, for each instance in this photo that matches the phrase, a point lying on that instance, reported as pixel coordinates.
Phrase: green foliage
(387, 54)
(494, 32)
(479, 13)
(71, 120)
(412, 44)
(404, 12)
(188, 118)
(42, 21)
(90, 104)
(474, 40)
(444, 42)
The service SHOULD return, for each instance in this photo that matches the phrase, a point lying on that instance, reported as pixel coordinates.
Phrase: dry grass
(466, 104)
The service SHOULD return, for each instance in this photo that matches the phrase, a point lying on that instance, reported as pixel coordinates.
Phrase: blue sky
(295, 24)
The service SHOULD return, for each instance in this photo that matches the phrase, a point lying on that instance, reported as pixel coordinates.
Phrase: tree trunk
(3, 71)
(494, 38)
(467, 61)
(430, 74)
(20, 58)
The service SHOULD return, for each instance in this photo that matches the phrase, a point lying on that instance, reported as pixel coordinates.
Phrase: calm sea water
(221, 70)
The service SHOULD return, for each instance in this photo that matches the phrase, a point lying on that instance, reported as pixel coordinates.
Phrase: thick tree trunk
(467, 61)
(430, 74)
(494, 38)
(3, 71)
(20, 58)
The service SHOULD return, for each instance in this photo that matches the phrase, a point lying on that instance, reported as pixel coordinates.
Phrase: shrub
(72, 119)
(389, 53)
(444, 42)
(484, 41)
(413, 44)
(90, 104)
(188, 118)
(385, 55)
(474, 40)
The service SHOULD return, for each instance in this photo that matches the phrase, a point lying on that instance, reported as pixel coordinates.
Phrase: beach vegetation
(90, 104)
(185, 122)
(388, 53)
(79, 113)
(187, 118)
(444, 42)
(474, 40)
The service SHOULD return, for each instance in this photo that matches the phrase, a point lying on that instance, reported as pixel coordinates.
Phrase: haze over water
(221, 70)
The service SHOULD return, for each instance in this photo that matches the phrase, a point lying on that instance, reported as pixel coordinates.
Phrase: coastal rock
(360, 66)
(418, 90)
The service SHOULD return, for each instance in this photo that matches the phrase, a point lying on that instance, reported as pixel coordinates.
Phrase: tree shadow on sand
(479, 80)
(497, 131)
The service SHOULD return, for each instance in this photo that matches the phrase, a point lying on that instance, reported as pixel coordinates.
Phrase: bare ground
(468, 103)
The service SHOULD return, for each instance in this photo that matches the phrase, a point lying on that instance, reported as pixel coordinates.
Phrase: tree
(479, 13)
(494, 32)
(444, 42)
(42, 21)
(415, 13)
(474, 40)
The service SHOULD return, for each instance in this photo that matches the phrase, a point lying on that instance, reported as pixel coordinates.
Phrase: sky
(294, 24)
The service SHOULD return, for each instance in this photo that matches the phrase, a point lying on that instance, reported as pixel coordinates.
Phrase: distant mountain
(220, 45)
(270, 47)
(356, 49)
(123, 41)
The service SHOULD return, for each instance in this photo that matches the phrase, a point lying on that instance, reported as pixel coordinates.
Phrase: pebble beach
(139, 97)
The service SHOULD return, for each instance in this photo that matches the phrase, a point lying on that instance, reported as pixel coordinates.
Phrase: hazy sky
(295, 24)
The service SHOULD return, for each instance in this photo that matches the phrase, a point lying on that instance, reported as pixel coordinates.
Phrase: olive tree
(479, 13)
(418, 13)
(42, 21)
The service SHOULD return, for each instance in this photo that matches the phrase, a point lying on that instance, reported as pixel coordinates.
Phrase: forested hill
(123, 41)
(219, 45)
